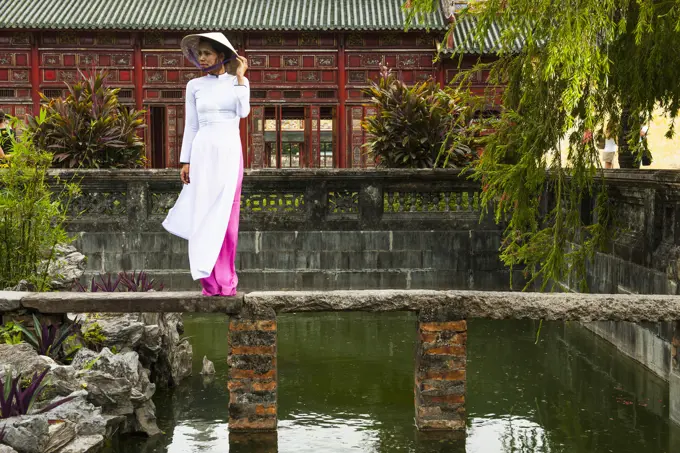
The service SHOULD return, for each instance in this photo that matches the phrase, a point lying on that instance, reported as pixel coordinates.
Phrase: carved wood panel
(17, 110)
(314, 130)
(257, 136)
(69, 38)
(355, 117)
(395, 40)
(16, 39)
(274, 40)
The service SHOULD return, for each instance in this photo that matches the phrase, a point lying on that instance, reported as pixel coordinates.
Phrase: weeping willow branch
(568, 68)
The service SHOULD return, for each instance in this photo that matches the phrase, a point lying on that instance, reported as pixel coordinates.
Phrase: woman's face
(207, 56)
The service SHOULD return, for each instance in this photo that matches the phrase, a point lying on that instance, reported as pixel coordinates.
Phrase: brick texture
(440, 379)
(252, 374)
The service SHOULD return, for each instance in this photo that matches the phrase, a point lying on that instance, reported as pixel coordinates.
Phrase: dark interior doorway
(157, 137)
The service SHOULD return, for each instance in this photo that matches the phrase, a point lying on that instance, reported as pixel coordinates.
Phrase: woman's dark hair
(2, 116)
(217, 47)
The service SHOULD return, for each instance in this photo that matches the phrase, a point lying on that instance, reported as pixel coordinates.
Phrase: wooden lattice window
(125, 94)
(6, 93)
(292, 94)
(258, 94)
(325, 94)
(172, 94)
(52, 93)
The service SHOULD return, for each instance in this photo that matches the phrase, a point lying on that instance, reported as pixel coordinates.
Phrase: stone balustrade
(288, 200)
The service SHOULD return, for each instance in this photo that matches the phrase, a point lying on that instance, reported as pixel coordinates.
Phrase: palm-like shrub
(413, 127)
(89, 128)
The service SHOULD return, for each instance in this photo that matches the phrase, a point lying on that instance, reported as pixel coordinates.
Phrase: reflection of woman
(207, 210)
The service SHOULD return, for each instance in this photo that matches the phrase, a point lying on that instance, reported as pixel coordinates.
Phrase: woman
(609, 145)
(207, 210)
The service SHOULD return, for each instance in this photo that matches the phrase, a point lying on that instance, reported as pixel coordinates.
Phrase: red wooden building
(309, 62)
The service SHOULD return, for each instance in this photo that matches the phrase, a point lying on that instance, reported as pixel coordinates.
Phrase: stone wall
(643, 259)
(301, 230)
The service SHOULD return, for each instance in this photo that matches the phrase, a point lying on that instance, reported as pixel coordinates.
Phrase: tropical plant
(49, 339)
(33, 212)
(10, 333)
(89, 128)
(139, 282)
(123, 281)
(107, 283)
(17, 400)
(410, 127)
(579, 65)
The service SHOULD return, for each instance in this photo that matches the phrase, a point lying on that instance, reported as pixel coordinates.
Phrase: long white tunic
(212, 145)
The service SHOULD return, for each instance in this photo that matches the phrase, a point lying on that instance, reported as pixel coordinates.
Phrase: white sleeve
(190, 123)
(243, 98)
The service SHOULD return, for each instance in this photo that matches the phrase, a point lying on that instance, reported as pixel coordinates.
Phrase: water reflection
(346, 385)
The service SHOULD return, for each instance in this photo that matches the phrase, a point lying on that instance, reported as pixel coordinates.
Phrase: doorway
(157, 129)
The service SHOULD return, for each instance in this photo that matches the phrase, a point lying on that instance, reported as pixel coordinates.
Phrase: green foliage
(32, 216)
(10, 333)
(48, 339)
(91, 363)
(414, 125)
(93, 337)
(89, 128)
(581, 65)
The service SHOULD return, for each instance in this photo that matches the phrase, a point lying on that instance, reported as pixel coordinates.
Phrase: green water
(346, 385)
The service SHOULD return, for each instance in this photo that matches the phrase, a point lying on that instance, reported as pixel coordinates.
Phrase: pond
(346, 385)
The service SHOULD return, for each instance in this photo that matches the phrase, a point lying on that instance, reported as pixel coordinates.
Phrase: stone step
(305, 260)
(329, 280)
(256, 241)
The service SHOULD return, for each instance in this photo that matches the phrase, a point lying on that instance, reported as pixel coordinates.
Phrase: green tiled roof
(463, 38)
(223, 15)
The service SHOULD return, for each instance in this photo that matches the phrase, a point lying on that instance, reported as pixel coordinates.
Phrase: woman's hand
(184, 174)
(241, 68)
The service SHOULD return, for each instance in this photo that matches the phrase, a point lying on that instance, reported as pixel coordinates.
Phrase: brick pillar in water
(440, 371)
(252, 372)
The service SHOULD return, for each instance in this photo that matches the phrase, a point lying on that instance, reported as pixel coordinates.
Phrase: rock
(208, 366)
(87, 418)
(124, 331)
(7, 449)
(61, 434)
(168, 356)
(118, 383)
(84, 444)
(109, 392)
(22, 286)
(146, 419)
(61, 380)
(22, 358)
(26, 434)
(10, 300)
(66, 267)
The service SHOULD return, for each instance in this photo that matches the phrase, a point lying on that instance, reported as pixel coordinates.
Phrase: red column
(441, 73)
(342, 98)
(35, 74)
(139, 73)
